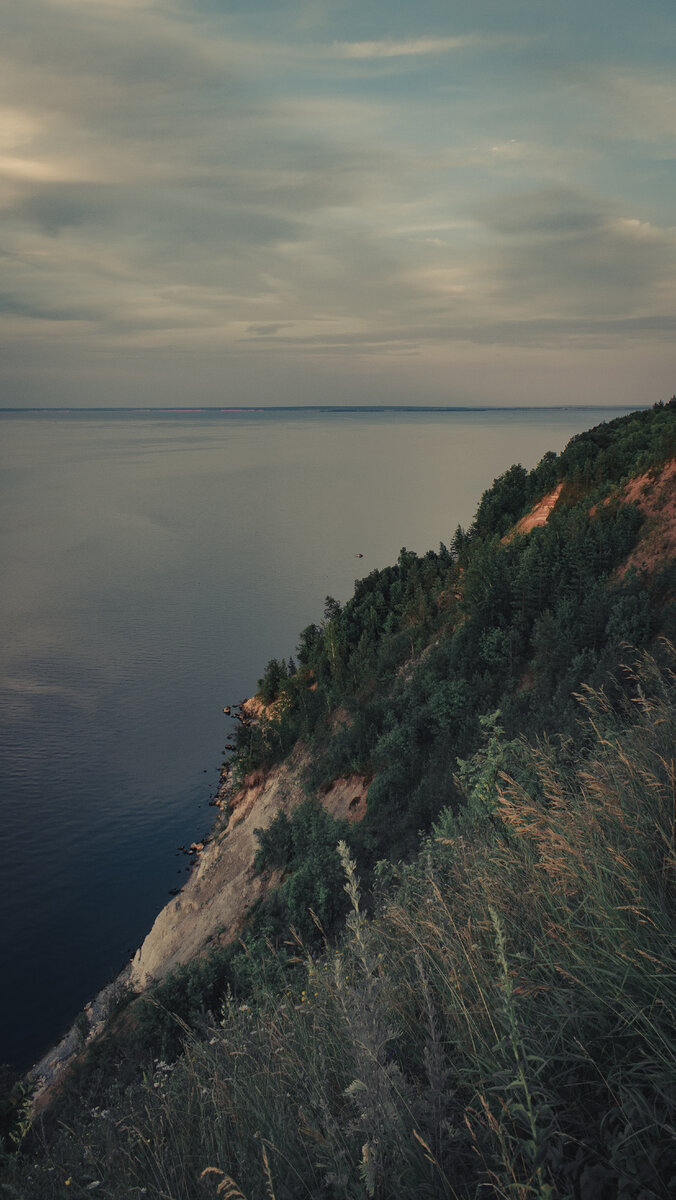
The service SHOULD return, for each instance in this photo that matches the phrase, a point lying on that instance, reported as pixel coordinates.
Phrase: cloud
(191, 182)
(269, 330)
(551, 212)
(639, 104)
(431, 45)
(393, 49)
(20, 306)
(587, 331)
(569, 251)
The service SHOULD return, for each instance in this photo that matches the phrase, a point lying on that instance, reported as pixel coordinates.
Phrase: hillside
(488, 731)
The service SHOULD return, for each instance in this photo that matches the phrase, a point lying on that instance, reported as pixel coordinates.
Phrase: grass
(501, 1026)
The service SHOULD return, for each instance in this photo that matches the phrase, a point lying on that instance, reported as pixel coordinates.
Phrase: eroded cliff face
(212, 906)
(538, 515)
(655, 494)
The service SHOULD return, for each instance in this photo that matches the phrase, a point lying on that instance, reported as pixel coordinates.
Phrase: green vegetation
(308, 899)
(427, 647)
(502, 1025)
(494, 1015)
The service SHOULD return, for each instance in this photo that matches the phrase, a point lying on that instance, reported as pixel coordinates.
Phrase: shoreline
(211, 908)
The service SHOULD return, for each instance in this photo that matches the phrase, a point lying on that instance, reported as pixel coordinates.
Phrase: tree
(275, 673)
(331, 608)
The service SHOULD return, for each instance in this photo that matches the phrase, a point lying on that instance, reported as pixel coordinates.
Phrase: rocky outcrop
(90, 1023)
(346, 798)
(223, 885)
(213, 905)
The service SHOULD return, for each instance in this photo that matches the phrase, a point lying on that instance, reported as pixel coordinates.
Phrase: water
(152, 564)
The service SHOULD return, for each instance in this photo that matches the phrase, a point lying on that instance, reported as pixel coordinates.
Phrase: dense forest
(471, 991)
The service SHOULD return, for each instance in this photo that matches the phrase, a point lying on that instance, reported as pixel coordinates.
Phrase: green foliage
(502, 505)
(503, 1024)
(275, 674)
(275, 844)
(426, 647)
(309, 899)
(478, 776)
(311, 893)
(619, 449)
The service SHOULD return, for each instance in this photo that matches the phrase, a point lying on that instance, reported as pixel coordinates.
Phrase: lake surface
(153, 562)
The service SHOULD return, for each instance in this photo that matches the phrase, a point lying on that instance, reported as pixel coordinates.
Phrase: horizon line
(258, 408)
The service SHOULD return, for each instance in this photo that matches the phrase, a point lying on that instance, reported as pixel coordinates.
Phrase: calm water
(152, 564)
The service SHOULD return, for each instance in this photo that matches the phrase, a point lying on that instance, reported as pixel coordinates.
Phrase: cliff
(528, 606)
(212, 907)
(654, 492)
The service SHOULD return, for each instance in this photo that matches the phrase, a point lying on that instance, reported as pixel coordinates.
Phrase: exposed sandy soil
(346, 798)
(655, 495)
(538, 515)
(215, 900)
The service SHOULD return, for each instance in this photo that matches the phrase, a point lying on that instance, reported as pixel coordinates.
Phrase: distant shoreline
(337, 408)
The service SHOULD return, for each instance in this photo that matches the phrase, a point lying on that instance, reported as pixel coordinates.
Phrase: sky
(266, 202)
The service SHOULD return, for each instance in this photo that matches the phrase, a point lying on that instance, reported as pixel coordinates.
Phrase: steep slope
(654, 492)
(518, 623)
(211, 909)
(531, 602)
(538, 515)
(406, 705)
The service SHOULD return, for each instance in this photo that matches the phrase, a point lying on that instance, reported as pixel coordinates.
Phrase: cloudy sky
(247, 202)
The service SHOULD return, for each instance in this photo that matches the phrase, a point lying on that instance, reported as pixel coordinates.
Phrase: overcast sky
(245, 202)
